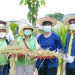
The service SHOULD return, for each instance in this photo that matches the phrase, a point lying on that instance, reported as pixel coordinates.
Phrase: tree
(33, 6)
(57, 16)
(14, 28)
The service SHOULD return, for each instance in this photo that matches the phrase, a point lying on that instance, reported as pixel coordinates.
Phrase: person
(10, 35)
(28, 41)
(3, 44)
(48, 41)
(38, 32)
(69, 49)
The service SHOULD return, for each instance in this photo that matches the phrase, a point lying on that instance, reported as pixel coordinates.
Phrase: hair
(3, 29)
(71, 20)
(28, 28)
(46, 22)
(2, 22)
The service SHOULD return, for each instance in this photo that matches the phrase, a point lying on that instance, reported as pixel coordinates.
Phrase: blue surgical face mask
(27, 32)
(47, 28)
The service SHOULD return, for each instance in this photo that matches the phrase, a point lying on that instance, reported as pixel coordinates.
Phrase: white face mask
(2, 34)
(47, 28)
(72, 27)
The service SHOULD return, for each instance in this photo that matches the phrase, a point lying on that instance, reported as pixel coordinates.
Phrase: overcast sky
(11, 9)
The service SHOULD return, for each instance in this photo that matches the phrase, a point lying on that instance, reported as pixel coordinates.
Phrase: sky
(10, 9)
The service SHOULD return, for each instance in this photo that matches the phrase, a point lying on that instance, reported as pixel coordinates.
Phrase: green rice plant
(62, 31)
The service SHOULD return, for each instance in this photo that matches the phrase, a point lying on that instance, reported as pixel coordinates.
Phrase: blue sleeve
(59, 43)
(39, 39)
(7, 42)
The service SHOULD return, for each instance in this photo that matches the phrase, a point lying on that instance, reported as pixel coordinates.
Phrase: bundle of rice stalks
(45, 54)
(12, 70)
(14, 49)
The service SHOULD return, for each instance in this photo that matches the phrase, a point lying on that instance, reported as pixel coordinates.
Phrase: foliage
(33, 6)
(14, 28)
(62, 32)
(57, 16)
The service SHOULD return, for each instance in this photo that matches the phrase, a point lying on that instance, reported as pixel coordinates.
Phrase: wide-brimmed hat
(65, 20)
(25, 25)
(3, 27)
(52, 20)
(4, 20)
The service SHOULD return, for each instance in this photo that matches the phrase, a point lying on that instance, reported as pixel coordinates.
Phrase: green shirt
(3, 57)
(31, 45)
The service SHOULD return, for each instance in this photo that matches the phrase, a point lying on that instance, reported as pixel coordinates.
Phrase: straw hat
(65, 20)
(41, 20)
(3, 27)
(25, 25)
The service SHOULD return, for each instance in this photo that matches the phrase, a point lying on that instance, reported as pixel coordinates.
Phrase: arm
(37, 45)
(59, 44)
(10, 36)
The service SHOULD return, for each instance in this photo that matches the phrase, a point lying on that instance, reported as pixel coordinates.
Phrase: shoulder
(10, 31)
(55, 35)
(68, 35)
(41, 36)
(34, 38)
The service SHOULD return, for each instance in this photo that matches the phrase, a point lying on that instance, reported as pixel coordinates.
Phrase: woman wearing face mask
(3, 57)
(70, 44)
(51, 41)
(24, 65)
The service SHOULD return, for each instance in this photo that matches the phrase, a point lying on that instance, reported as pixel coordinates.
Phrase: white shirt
(10, 35)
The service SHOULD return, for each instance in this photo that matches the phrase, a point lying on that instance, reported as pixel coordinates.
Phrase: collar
(72, 32)
(29, 38)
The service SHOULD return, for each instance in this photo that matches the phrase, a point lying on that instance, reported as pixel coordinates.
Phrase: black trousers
(47, 71)
(70, 71)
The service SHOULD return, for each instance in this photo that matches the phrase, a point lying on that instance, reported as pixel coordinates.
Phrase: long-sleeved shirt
(53, 42)
(72, 65)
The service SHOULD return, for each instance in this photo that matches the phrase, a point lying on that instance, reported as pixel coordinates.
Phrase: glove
(70, 59)
(65, 59)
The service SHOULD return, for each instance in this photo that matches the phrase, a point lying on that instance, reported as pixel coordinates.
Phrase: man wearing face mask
(70, 44)
(27, 40)
(3, 44)
(51, 41)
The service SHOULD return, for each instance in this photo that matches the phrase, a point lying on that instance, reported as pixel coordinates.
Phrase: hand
(21, 55)
(70, 59)
(11, 55)
(35, 59)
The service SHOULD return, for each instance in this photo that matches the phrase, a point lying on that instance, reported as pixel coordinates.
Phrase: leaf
(25, 2)
(21, 2)
(29, 15)
(44, 3)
